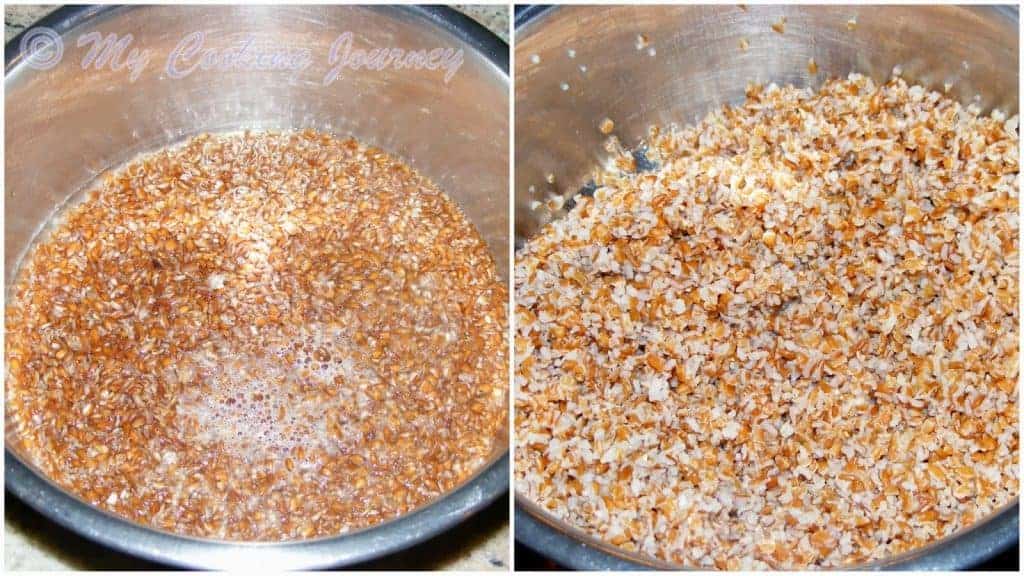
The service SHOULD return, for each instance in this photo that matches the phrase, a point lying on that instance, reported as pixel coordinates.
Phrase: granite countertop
(31, 542)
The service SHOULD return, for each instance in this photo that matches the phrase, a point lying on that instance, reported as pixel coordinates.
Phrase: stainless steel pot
(67, 123)
(578, 65)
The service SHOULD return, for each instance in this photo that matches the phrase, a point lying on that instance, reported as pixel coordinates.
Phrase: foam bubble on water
(278, 398)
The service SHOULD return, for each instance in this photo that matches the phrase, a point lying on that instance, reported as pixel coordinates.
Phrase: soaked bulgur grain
(259, 337)
(794, 343)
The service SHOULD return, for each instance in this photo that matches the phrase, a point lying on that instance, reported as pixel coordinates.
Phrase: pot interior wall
(66, 125)
(641, 66)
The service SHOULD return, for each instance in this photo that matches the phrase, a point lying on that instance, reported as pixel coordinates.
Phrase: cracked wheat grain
(795, 344)
(259, 337)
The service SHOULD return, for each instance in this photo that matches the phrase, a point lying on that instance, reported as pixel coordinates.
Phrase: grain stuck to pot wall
(259, 337)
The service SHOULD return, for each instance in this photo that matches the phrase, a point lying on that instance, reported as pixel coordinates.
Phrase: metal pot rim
(363, 545)
(573, 548)
(465, 28)
(569, 546)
